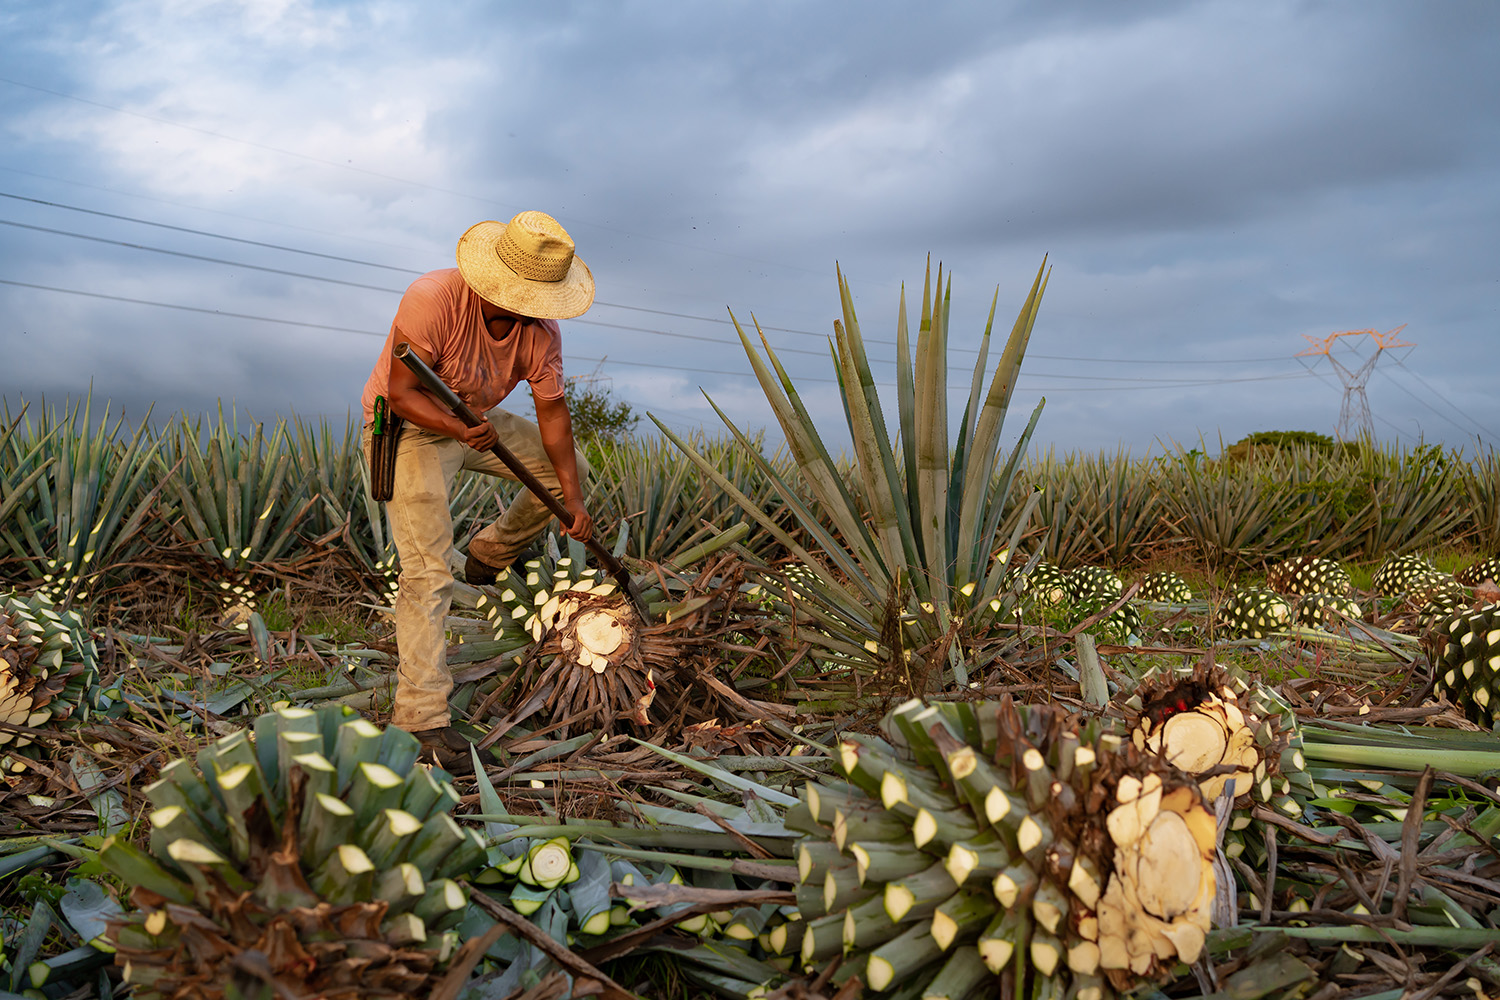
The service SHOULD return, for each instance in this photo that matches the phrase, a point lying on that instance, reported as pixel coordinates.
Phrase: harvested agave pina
(1465, 655)
(47, 664)
(1254, 612)
(1094, 581)
(1164, 588)
(1308, 575)
(1399, 573)
(1045, 584)
(1476, 573)
(982, 839)
(1319, 610)
(316, 831)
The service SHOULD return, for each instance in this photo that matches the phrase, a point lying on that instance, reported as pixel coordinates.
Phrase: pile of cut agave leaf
(968, 849)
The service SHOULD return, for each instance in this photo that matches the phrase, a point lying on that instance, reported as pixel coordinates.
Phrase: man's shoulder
(447, 282)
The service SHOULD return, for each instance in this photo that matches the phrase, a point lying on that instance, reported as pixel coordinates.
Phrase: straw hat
(526, 265)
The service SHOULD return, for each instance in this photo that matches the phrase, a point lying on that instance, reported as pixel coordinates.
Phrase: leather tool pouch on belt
(385, 434)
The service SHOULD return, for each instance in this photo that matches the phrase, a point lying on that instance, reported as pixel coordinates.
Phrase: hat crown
(527, 265)
(535, 246)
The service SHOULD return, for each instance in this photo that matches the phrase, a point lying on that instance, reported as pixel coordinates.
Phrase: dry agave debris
(317, 856)
(47, 664)
(1006, 849)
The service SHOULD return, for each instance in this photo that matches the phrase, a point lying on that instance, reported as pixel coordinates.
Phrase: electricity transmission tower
(1354, 413)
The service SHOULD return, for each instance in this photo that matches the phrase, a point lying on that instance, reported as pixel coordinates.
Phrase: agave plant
(239, 496)
(1093, 507)
(76, 495)
(653, 488)
(907, 563)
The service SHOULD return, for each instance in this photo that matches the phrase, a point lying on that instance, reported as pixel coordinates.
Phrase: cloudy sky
(205, 201)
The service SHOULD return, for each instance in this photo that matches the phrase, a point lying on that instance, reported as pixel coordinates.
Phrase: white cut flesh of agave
(1195, 741)
(1139, 803)
(1169, 867)
(548, 863)
(600, 632)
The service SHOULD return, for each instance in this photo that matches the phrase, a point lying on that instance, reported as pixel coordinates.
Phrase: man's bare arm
(411, 403)
(556, 425)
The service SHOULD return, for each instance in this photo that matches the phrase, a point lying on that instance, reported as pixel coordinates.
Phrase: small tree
(597, 415)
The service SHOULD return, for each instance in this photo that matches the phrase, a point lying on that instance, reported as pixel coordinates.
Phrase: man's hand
(582, 527)
(480, 437)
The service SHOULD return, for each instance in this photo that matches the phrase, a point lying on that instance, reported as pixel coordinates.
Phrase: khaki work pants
(421, 525)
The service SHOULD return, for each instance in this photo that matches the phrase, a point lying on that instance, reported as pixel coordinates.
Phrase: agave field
(928, 713)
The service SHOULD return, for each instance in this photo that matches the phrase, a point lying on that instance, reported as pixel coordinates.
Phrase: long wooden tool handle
(462, 410)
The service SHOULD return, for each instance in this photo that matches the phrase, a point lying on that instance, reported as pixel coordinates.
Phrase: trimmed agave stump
(1198, 723)
(990, 849)
(316, 859)
(596, 662)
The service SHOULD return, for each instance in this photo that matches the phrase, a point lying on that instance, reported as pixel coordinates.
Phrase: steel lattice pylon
(1354, 413)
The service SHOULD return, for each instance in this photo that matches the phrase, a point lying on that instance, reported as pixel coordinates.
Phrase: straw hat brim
(494, 281)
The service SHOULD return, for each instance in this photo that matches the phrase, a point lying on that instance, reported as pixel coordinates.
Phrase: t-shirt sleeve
(546, 374)
(423, 319)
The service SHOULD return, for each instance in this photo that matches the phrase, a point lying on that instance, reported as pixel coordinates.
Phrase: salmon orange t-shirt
(440, 314)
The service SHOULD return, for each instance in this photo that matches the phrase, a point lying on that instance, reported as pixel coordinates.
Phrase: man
(483, 328)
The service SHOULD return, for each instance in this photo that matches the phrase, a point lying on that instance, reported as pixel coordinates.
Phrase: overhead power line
(1431, 409)
(598, 302)
(1145, 383)
(194, 256)
(1401, 363)
(192, 309)
(204, 232)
